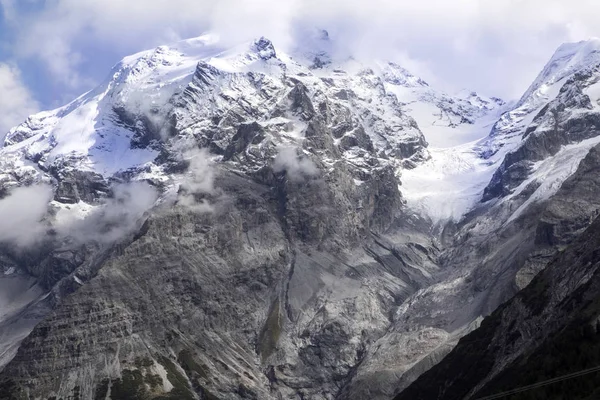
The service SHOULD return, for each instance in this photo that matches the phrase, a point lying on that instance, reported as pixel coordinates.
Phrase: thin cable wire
(540, 384)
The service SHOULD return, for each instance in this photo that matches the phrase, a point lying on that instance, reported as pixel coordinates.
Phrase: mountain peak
(265, 48)
(574, 56)
(576, 47)
(397, 75)
(566, 60)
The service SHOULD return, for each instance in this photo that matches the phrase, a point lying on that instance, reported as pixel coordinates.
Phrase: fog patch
(16, 101)
(200, 177)
(119, 215)
(198, 182)
(295, 164)
(22, 214)
(149, 111)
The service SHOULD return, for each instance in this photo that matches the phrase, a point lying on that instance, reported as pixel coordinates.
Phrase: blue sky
(53, 50)
(91, 57)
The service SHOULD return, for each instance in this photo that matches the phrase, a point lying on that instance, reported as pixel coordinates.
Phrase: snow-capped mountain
(454, 180)
(144, 87)
(249, 222)
(303, 150)
(541, 197)
(447, 120)
(545, 194)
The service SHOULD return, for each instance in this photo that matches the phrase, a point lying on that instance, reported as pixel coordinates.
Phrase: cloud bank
(26, 219)
(16, 102)
(496, 47)
(22, 213)
(118, 215)
(296, 165)
(198, 181)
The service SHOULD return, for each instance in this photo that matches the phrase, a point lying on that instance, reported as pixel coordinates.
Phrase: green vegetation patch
(129, 387)
(181, 389)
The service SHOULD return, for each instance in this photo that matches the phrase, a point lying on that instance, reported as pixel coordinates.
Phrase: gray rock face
(499, 247)
(76, 186)
(496, 249)
(505, 242)
(265, 296)
(570, 118)
(548, 330)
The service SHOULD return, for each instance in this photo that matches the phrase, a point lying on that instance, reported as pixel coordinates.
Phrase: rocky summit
(217, 222)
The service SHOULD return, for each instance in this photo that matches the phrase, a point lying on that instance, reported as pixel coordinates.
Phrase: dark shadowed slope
(548, 330)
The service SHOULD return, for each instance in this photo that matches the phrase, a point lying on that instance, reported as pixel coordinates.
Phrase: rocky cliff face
(250, 224)
(548, 330)
(249, 241)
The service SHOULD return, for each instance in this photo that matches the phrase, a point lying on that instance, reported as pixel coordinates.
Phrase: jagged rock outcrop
(568, 119)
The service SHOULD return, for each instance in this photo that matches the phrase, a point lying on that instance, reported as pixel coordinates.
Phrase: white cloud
(67, 32)
(493, 46)
(16, 103)
(8, 9)
(25, 218)
(200, 175)
(296, 165)
(118, 215)
(198, 180)
(21, 213)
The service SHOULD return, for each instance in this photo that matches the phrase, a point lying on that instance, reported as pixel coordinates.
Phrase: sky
(51, 51)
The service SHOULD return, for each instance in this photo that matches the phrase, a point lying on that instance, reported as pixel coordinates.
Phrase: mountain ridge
(283, 209)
